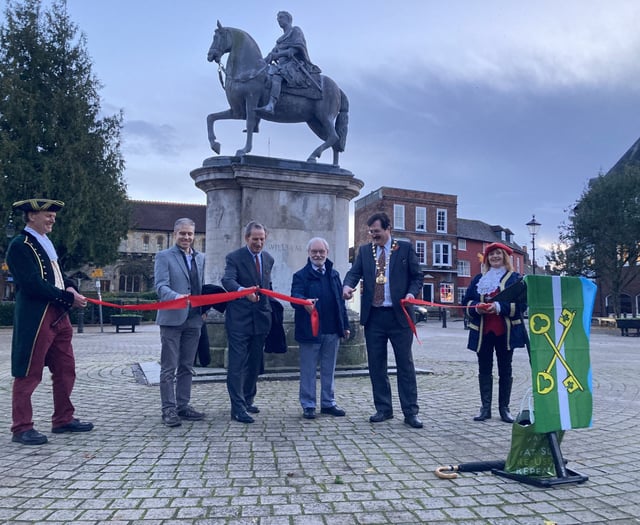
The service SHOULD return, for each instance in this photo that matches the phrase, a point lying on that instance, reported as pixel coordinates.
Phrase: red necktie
(258, 269)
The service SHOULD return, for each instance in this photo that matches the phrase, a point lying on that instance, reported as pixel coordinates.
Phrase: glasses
(317, 252)
(374, 232)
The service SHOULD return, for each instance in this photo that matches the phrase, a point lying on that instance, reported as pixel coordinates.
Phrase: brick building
(448, 248)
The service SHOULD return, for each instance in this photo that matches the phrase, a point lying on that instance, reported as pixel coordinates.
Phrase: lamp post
(98, 289)
(10, 229)
(533, 226)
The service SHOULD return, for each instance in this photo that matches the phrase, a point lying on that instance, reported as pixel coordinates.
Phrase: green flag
(560, 311)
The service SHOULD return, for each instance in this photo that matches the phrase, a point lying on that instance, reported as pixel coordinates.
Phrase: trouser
(179, 347)
(52, 348)
(491, 342)
(381, 328)
(245, 363)
(324, 352)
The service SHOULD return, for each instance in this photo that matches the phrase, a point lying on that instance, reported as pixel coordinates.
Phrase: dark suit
(247, 325)
(388, 323)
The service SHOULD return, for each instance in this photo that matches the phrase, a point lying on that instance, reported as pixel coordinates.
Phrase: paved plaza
(285, 470)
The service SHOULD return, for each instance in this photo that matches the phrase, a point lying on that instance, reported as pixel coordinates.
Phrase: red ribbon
(201, 300)
(404, 302)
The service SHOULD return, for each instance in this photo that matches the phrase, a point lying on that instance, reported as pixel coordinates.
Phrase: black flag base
(563, 474)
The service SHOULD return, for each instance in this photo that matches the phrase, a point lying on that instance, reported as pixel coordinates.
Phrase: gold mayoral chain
(380, 272)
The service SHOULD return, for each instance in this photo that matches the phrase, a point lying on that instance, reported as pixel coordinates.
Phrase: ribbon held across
(211, 299)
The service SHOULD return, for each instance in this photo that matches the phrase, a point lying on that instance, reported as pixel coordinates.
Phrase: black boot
(504, 396)
(486, 391)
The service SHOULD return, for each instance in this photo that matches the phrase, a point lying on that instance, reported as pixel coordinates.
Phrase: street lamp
(10, 229)
(533, 226)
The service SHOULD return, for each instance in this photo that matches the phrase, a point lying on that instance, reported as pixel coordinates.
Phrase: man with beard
(390, 272)
(320, 282)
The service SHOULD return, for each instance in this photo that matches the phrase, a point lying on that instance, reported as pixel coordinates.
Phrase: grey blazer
(172, 280)
(242, 315)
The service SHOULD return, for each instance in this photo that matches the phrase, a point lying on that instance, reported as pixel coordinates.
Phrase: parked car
(420, 313)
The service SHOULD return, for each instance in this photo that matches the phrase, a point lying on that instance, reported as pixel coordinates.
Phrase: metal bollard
(443, 314)
(81, 321)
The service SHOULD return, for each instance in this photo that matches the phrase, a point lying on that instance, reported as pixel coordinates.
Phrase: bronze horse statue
(246, 89)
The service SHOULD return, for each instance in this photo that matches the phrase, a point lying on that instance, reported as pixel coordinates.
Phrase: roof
(630, 158)
(481, 231)
(161, 216)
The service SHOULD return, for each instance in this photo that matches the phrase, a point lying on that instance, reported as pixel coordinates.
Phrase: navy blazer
(36, 293)
(242, 315)
(405, 276)
(172, 280)
(306, 285)
(511, 314)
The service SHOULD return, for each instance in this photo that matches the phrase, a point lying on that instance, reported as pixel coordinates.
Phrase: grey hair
(180, 222)
(323, 241)
(254, 225)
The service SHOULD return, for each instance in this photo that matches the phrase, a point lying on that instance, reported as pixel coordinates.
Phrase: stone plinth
(295, 201)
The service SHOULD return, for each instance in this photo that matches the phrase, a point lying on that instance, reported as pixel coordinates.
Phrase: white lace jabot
(490, 280)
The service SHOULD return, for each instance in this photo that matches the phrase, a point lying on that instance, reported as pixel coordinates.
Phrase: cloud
(143, 137)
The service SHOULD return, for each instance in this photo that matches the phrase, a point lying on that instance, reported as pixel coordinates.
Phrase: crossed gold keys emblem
(540, 324)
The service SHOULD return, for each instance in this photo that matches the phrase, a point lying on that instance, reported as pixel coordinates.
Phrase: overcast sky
(511, 106)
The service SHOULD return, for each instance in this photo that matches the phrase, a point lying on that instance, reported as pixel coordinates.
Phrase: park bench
(629, 323)
(125, 322)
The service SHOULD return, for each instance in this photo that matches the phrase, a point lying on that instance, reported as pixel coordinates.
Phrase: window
(421, 219)
(441, 221)
(421, 250)
(203, 245)
(159, 242)
(398, 216)
(145, 243)
(461, 293)
(446, 292)
(462, 244)
(129, 283)
(441, 254)
(464, 268)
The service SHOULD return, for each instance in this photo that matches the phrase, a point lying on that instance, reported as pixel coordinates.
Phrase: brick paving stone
(284, 470)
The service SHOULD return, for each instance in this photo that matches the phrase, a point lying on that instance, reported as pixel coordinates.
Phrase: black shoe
(29, 437)
(242, 417)
(74, 426)
(252, 409)
(335, 410)
(171, 418)
(190, 414)
(309, 413)
(484, 414)
(413, 421)
(505, 415)
(378, 417)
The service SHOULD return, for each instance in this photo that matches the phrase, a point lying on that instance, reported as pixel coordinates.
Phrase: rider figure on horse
(289, 61)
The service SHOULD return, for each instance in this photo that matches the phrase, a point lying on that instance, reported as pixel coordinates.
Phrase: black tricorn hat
(38, 205)
(209, 289)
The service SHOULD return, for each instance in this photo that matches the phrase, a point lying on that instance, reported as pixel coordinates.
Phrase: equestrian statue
(285, 86)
